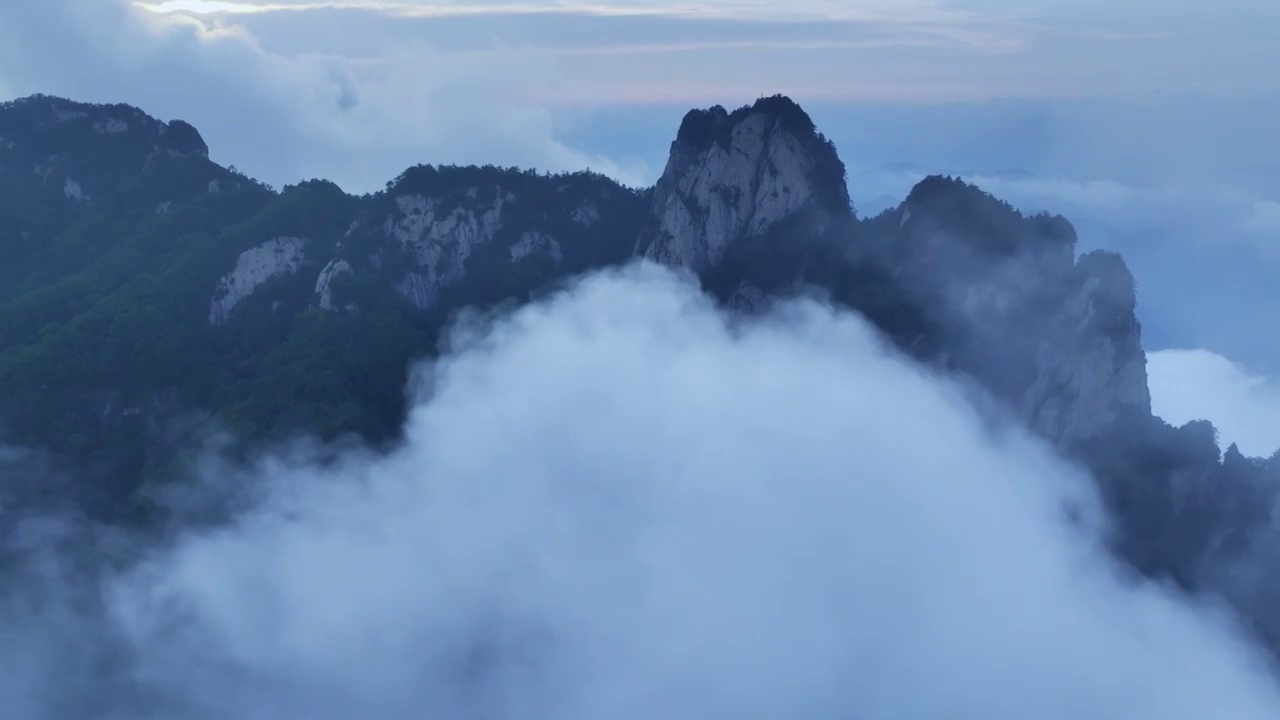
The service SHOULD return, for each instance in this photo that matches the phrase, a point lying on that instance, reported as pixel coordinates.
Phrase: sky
(525, 82)
(617, 502)
(1150, 124)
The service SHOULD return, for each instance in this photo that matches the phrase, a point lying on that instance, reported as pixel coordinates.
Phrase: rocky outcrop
(536, 242)
(1056, 338)
(72, 190)
(324, 283)
(440, 238)
(1091, 371)
(179, 139)
(735, 176)
(586, 215)
(276, 257)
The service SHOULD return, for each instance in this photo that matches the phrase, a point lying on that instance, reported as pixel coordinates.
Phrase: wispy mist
(619, 503)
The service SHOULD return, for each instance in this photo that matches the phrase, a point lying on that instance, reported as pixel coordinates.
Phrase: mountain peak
(1111, 276)
(964, 230)
(700, 127)
(47, 125)
(88, 154)
(180, 138)
(737, 175)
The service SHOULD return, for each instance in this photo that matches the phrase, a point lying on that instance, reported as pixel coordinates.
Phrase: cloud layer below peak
(619, 503)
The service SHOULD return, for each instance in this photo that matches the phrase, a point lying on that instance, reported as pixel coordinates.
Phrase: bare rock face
(735, 176)
(1056, 337)
(440, 239)
(1091, 371)
(531, 243)
(324, 283)
(255, 266)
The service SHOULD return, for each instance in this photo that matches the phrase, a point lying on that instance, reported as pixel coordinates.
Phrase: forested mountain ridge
(141, 283)
(140, 280)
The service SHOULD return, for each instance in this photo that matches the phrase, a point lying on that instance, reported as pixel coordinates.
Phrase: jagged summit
(735, 176)
(990, 226)
(181, 138)
(1055, 335)
(701, 127)
(1113, 278)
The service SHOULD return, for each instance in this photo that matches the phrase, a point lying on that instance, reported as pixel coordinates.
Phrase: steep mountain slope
(1056, 338)
(141, 284)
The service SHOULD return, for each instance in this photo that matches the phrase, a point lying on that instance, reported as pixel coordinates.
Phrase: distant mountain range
(147, 292)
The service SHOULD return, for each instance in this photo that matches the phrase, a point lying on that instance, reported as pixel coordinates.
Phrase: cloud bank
(1201, 385)
(994, 48)
(618, 503)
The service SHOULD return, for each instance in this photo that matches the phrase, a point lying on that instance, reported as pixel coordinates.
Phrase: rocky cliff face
(732, 177)
(1090, 369)
(440, 237)
(255, 266)
(1055, 336)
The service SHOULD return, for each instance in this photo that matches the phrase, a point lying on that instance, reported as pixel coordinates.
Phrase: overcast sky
(1149, 123)
(644, 51)
(356, 89)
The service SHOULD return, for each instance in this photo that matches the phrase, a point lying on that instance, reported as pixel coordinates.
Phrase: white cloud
(357, 90)
(1202, 385)
(882, 11)
(288, 117)
(616, 504)
(1000, 48)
